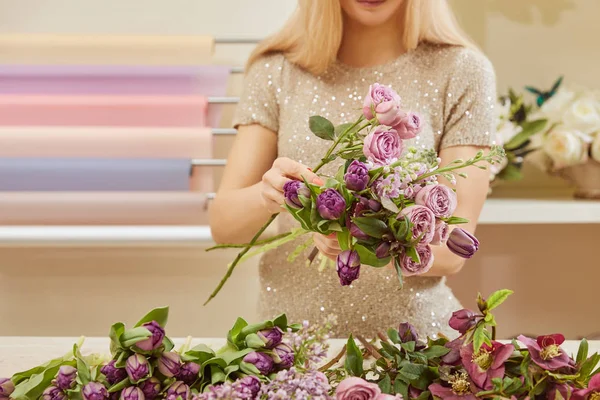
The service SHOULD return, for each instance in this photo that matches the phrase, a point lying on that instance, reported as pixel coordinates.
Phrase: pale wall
(68, 292)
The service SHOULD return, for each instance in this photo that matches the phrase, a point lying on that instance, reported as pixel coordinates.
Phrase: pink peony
(442, 233)
(385, 104)
(409, 127)
(410, 267)
(423, 223)
(438, 198)
(357, 389)
(487, 363)
(382, 146)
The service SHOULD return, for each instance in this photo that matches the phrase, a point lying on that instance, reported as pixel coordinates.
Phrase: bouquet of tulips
(385, 203)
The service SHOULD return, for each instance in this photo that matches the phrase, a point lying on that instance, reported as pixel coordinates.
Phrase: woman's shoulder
(270, 63)
(456, 60)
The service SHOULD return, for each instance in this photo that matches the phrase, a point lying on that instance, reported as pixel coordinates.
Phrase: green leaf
(321, 127)
(456, 221)
(342, 128)
(354, 358)
(368, 257)
(582, 353)
(426, 395)
(344, 239)
(83, 369)
(389, 205)
(57, 362)
(249, 369)
(408, 346)
(511, 173)
(116, 330)
(497, 298)
(412, 371)
(119, 386)
(530, 128)
(33, 388)
(254, 341)
(398, 268)
(160, 315)
(168, 344)
(199, 354)
(413, 254)
(216, 375)
(371, 226)
(479, 337)
(281, 322)
(436, 351)
(230, 369)
(394, 336)
(401, 387)
(122, 359)
(240, 324)
(134, 335)
(386, 384)
(588, 366)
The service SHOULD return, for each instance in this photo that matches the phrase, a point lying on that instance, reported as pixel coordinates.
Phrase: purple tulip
(113, 374)
(189, 373)
(261, 361)
(6, 387)
(250, 384)
(357, 176)
(156, 338)
(132, 393)
(383, 250)
(463, 320)
(137, 368)
(151, 388)
(271, 337)
(94, 391)
(178, 390)
(53, 393)
(407, 333)
(283, 356)
(348, 267)
(330, 204)
(169, 364)
(66, 377)
(291, 190)
(462, 243)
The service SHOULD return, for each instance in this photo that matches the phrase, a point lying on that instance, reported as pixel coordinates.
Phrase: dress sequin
(453, 88)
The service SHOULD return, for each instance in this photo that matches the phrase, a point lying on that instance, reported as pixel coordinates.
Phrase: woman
(323, 62)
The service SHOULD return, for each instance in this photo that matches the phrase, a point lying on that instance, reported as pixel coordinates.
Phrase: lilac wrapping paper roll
(31, 174)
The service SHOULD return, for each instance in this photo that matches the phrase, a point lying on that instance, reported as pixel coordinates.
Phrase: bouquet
(274, 360)
(385, 203)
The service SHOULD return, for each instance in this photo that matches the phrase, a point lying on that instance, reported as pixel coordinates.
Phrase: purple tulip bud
(383, 250)
(53, 393)
(189, 373)
(6, 387)
(462, 243)
(137, 368)
(291, 191)
(283, 356)
(132, 393)
(357, 176)
(272, 337)
(156, 338)
(114, 395)
(261, 361)
(151, 388)
(251, 384)
(178, 390)
(169, 364)
(330, 204)
(66, 377)
(374, 205)
(348, 267)
(463, 320)
(113, 374)
(407, 333)
(94, 391)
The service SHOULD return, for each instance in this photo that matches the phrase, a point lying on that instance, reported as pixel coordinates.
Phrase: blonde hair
(312, 36)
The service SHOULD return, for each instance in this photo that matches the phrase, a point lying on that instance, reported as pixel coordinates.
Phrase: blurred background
(73, 263)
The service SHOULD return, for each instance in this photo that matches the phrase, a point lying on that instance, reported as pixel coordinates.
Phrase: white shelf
(495, 212)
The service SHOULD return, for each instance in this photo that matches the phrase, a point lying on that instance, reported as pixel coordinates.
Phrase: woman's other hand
(327, 245)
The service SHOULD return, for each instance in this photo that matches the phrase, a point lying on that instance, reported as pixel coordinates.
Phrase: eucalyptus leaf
(321, 127)
(354, 358)
(160, 315)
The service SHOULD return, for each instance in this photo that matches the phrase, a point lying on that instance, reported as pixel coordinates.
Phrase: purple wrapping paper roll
(34, 174)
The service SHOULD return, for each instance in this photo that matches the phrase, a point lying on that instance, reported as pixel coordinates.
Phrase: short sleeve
(258, 101)
(469, 112)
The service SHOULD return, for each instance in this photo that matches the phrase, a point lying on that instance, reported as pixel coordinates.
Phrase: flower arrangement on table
(384, 204)
(274, 360)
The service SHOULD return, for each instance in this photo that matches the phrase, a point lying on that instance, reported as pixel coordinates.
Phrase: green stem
(451, 168)
(493, 333)
(242, 246)
(335, 144)
(239, 257)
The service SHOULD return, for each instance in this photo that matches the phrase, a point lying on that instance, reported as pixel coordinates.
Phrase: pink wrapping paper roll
(109, 142)
(102, 208)
(158, 111)
(98, 49)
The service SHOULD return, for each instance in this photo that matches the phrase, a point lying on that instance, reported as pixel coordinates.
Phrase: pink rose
(438, 198)
(442, 232)
(410, 267)
(422, 220)
(386, 104)
(409, 126)
(357, 389)
(382, 145)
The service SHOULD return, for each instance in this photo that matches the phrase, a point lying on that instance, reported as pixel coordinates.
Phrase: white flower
(555, 107)
(506, 131)
(596, 148)
(565, 147)
(584, 115)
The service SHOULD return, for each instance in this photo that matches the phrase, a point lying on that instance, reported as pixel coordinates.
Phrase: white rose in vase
(583, 115)
(596, 148)
(565, 147)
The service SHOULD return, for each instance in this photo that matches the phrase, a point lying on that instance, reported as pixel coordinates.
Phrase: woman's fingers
(272, 199)
(329, 247)
(295, 170)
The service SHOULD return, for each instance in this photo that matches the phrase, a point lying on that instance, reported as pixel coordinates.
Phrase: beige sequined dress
(451, 87)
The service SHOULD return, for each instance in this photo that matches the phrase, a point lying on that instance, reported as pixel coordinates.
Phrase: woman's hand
(327, 245)
(283, 170)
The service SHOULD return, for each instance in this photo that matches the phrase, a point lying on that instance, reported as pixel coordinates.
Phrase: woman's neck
(369, 46)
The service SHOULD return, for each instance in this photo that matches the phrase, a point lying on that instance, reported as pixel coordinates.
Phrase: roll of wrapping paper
(103, 208)
(98, 49)
(88, 174)
(157, 111)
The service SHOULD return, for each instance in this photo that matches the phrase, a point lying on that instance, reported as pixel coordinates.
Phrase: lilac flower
(283, 355)
(261, 361)
(357, 176)
(463, 320)
(113, 374)
(348, 267)
(137, 368)
(487, 363)
(66, 377)
(94, 391)
(189, 373)
(155, 340)
(178, 390)
(53, 393)
(271, 337)
(330, 204)
(291, 384)
(462, 243)
(388, 187)
(132, 393)
(169, 364)
(546, 351)
(246, 388)
(151, 388)
(291, 190)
